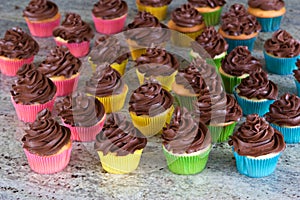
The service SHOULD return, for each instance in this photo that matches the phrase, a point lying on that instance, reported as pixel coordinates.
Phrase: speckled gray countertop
(84, 178)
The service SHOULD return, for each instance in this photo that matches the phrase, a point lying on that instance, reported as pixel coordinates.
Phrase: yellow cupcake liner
(180, 39)
(159, 12)
(115, 164)
(119, 67)
(136, 52)
(150, 126)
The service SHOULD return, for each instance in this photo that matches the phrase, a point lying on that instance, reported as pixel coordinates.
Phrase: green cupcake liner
(221, 133)
(230, 82)
(212, 18)
(217, 62)
(185, 101)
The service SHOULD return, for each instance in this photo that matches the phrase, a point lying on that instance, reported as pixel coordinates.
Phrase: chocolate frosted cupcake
(16, 49)
(150, 107)
(109, 16)
(297, 77)
(281, 53)
(186, 143)
(284, 115)
(63, 69)
(83, 115)
(47, 144)
(41, 16)
(75, 34)
(239, 28)
(31, 93)
(256, 147)
(156, 8)
(108, 87)
(238, 64)
(119, 145)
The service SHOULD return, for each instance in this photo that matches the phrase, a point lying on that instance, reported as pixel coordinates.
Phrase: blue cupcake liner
(256, 168)
(234, 43)
(298, 87)
(269, 24)
(291, 134)
(281, 66)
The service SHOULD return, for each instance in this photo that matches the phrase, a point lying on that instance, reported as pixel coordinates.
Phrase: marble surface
(84, 178)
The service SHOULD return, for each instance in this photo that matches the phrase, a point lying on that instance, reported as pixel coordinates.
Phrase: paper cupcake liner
(150, 126)
(49, 164)
(76, 49)
(159, 12)
(10, 67)
(256, 168)
(230, 82)
(281, 66)
(93, 65)
(186, 164)
(234, 43)
(42, 29)
(181, 40)
(269, 24)
(67, 86)
(185, 101)
(28, 113)
(291, 134)
(217, 61)
(115, 164)
(109, 26)
(221, 133)
(212, 18)
(120, 67)
(298, 87)
(135, 53)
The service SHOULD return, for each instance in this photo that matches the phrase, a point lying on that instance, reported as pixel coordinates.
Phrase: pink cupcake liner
(77, 49)
(28, 113)
(43, 29)
(10, 67)
(109, 26)
(66, 87)
(49, 164)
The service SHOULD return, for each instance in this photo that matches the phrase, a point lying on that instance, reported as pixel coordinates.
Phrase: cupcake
(16, 49)
(188, 21)
(157, 8)
(83, 115)
(63, 69)
(256, 147)
(47, 144)
(284, 115)
(209, 9)
(239, 28)
(297, 77)
(108, 87)
(255, 93)
(41, 16)
(109, 16)
(238, 64)
(119, 145)
(186, 143)
(213, 43)
(31, 93)
(109, 49)
(281, 53)
(74, 34)
(150, 107)
(268, 13)
(157, 63)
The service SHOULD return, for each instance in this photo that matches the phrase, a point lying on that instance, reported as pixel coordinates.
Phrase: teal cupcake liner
(281, 66)
(234, 43)
(269, 24)
(185, 101)
(212, 18)
(221, 133)
(298, 87)
(230, 82)
(291, 134)
(256, 168)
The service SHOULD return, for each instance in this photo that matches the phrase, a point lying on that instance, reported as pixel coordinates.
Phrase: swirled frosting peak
(38, 10)
(155, 3)
(110, 9)
(32, 86)
(266, 5)
(73, 29)
(18, 44)
(186, 16)
(285, 111)
(256, 137)
(282, 44)
(60, 62)
(119, 136)
(207, 3)
(297, 71)
(184, 134)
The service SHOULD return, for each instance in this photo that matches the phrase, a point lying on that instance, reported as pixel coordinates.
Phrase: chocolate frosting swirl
(119, 136)
(184, 134)
(258, 86)
(285, 111)
(110, 9)
(80, 110)
(74, 29)
(155, 3)
(45, 136)
(256, 137)
(211, 41)
(297, 71)
(18, 44)
(266, 5)
(60, 62)
(186, 16)
(105, 81)
(207, 3)
(238, 21)
(32, 86)
(283, 45)
(240, 61)
(150, 99)
(38, 10)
